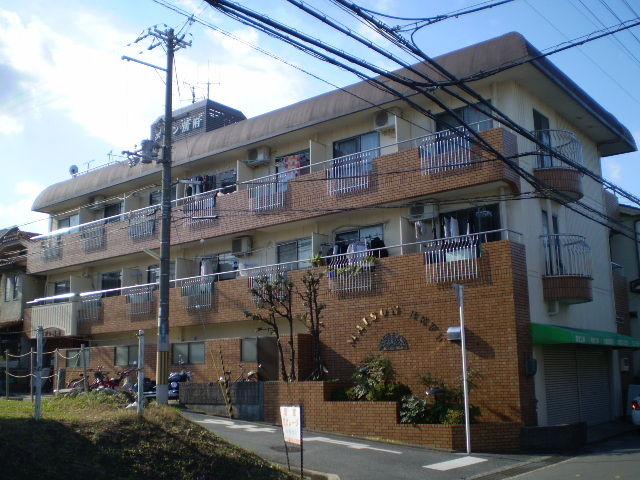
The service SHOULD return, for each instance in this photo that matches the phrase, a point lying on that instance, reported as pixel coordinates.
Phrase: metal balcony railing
(268, 193)
(560, 143)
(351, 272)
(142, 223)
(93, 236)
(449, 149)
(139, 299)
(452, 259)
(566, 255)
(51, 248)
(200, 209)
(274, 275)
(197, 293)
(351, 173)
(90, 308)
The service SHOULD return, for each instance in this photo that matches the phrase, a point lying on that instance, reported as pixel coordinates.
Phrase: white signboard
(291, 424)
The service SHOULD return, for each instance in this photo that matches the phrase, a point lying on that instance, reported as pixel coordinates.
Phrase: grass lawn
(92, 437)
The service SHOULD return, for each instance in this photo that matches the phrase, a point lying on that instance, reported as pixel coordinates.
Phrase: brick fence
(379, 420)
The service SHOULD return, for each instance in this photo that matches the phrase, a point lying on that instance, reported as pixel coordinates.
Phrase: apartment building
(351, 175)
(16, 288)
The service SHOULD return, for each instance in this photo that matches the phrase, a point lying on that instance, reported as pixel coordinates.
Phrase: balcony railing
(142, 223)
(449, 149)
(350, 173)
(139, 299)
(200, 209)
(447, 259)
(197, 293)
(561, 143)
(93, 236)
(51, 248)
(57, 319)
(268, 193)
(566, 255)
(351, 272)
(259, 276)
(90, 308)
(452, 259)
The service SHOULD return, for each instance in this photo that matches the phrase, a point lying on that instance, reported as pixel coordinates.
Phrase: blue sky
(67, 98)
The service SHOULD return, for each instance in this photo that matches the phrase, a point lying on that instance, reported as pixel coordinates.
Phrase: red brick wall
(395, 177)
(380, 420)
(496, 313)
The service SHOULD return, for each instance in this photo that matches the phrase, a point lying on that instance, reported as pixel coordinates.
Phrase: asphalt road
(615, 459)
(356, 459)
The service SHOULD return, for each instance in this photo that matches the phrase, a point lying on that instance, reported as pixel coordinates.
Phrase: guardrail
(561, 143)
(449, 149)
(566, 255)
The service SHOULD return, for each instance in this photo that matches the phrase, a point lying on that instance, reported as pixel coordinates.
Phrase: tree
(311, 318)
(275, 298)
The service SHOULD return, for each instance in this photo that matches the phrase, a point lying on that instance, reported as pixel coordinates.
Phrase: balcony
(197, 293)
(350, 173)
(351, 272)
(550, 166)
(449, 150)
(390, 173)
(57, 315)
(268, 193)
(224, 297)
(567, 269)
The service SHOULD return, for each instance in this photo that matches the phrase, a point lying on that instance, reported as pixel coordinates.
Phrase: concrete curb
(313, 475)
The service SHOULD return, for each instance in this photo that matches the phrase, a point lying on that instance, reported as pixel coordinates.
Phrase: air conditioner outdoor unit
(385, 119)
(96, 202)
(421, 211)
(241, 246)
(257, 156)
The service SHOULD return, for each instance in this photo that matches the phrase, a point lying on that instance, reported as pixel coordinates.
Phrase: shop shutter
(594, 383)
(561, 385)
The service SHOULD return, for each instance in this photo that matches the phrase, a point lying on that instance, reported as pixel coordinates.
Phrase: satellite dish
(73, 170)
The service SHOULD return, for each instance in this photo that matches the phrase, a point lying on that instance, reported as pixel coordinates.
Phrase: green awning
(554, 335)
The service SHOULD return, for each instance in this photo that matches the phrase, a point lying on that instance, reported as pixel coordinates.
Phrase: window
(295, 251)
(227, 262)
(359, 143)
(362, 234)
(187, 353)
(473, 115)
(70, 221)
(471, 220)
(61, 287)
(76, 360)
(126, 355)
(111, 280)
(543, 134)
(298, 161)
(249, 350)
(153, 272)
(12, 286)
(112, 212)
(155, 198)
(227, 181)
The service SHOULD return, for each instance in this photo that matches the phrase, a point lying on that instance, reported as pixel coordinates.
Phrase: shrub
(375, 381)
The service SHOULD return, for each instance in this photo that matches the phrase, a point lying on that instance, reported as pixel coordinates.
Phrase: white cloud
(10, 125)
(17, 210)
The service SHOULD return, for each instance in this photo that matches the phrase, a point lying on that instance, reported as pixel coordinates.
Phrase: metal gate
(577, 383)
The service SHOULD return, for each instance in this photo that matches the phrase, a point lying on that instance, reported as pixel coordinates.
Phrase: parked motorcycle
(173, 384)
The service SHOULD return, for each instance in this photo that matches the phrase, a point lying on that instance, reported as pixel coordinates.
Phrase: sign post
(459, 289)
(291, 417)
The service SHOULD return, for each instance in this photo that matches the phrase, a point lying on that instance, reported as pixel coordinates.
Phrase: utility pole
(146, 155)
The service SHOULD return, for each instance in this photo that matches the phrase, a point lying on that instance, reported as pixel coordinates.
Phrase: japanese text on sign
(291, 424)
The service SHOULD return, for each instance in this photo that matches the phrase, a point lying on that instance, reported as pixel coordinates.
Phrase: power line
(259, 21)
(606, 5)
